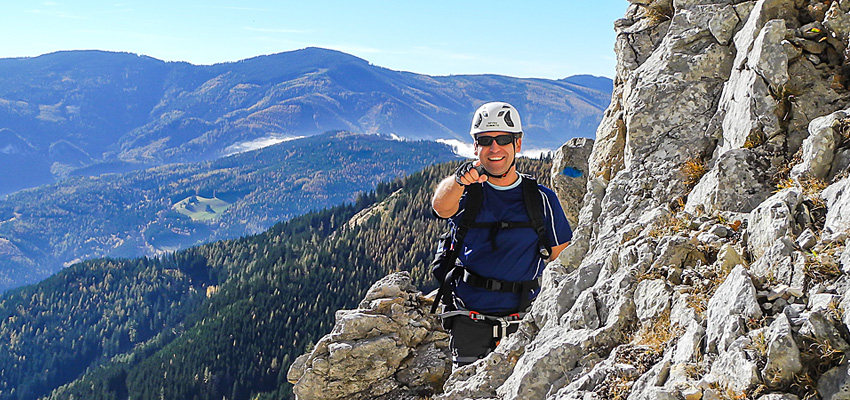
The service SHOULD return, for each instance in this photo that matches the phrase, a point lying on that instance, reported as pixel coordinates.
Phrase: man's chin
(497, 172)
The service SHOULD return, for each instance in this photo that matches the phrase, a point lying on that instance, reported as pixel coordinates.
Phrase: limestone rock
(779, 396)
(688, 348)
(844, 260)
(652, 298)
(821, 328)
(569, 175)
(747, 110)
(840, 163)
(807, 239)
(735, 183)
(780, 264)
(818, 148)
(837, 197)
(835, 383)
(783, 357)
(773, 219)
(729, 308)
(723, 24)
(734, 369)
(838, 22)
(768, 59)
(392, 347)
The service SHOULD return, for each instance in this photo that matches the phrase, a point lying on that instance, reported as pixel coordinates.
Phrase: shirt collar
(509, 187)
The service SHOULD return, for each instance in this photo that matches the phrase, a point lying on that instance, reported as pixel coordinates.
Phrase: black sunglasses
(501, 140)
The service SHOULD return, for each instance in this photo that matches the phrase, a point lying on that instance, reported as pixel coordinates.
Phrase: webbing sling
(474, 199)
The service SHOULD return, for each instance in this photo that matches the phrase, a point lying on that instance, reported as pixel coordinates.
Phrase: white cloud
(256, 144)
(462, 149)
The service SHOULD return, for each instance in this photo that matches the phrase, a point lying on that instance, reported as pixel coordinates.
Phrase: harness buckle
(475, 316)
(494, 285)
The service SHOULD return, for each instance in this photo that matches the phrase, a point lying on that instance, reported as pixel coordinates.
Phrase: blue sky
(542, 39)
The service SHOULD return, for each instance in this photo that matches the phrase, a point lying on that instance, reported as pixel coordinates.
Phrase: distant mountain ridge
(90, 112)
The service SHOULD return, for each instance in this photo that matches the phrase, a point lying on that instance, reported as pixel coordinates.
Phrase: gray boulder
(773, 219)
(835, 383)
(735, 183)
(819, 147)
(837, 198)
(729, 309)
(569, 175)
(783, 356)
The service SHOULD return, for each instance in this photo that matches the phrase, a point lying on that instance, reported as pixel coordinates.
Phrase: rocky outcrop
(391, 347)
(569, 175)
(710, 256)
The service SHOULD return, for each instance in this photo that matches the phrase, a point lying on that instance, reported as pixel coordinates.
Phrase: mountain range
(92, 112)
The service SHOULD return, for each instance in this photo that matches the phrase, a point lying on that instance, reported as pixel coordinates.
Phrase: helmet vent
(508, 119)
(478, 122)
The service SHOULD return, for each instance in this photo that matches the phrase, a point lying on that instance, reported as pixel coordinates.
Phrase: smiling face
(498, 159)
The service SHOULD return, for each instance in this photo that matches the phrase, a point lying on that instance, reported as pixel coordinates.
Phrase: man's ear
(519, 144)
(475, 149)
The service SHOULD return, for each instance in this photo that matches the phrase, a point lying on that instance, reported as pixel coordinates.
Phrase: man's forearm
(447, 197)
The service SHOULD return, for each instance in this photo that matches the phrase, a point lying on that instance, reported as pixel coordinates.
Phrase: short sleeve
(557, 224)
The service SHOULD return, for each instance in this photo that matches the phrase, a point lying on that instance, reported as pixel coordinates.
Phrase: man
(503, 252)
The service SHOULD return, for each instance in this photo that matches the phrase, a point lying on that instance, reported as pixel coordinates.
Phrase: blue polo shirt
(515, 256)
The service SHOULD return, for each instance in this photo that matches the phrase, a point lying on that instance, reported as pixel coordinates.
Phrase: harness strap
(534, 208)
(500, 324)
(495, 285)
(506, 320)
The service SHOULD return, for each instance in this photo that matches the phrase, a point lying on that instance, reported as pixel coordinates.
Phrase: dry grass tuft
(669, 225)
(658, 334)
(754, 140)
(817, 357)
(843, 128)
(693, 169)
(705, 287)
(821, 265)
(657, 15)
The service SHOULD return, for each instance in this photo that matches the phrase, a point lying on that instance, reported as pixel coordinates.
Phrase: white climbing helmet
(496, 117)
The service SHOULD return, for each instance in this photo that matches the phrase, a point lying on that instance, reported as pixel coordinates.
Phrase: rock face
(391, 347)
(710, 256)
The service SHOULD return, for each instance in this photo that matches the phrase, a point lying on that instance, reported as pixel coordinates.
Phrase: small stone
(778, 306)
(813, 59)
(813, 31)
(794, 313)
(777, 292)
(807, 239)
(794, 292)
(710, 394)
(692, 393)
(791, 51)
(823, 301)
(767, 306)
(719, 230)
(708, 237)
(809, 46)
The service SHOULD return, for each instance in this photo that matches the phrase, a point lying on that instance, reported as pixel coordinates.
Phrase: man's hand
(469, 173)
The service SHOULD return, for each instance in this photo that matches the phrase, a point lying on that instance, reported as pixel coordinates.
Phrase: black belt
(496, 285)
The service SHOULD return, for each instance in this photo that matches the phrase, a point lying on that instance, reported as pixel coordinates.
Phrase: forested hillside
(176, 206)
(219, 320)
